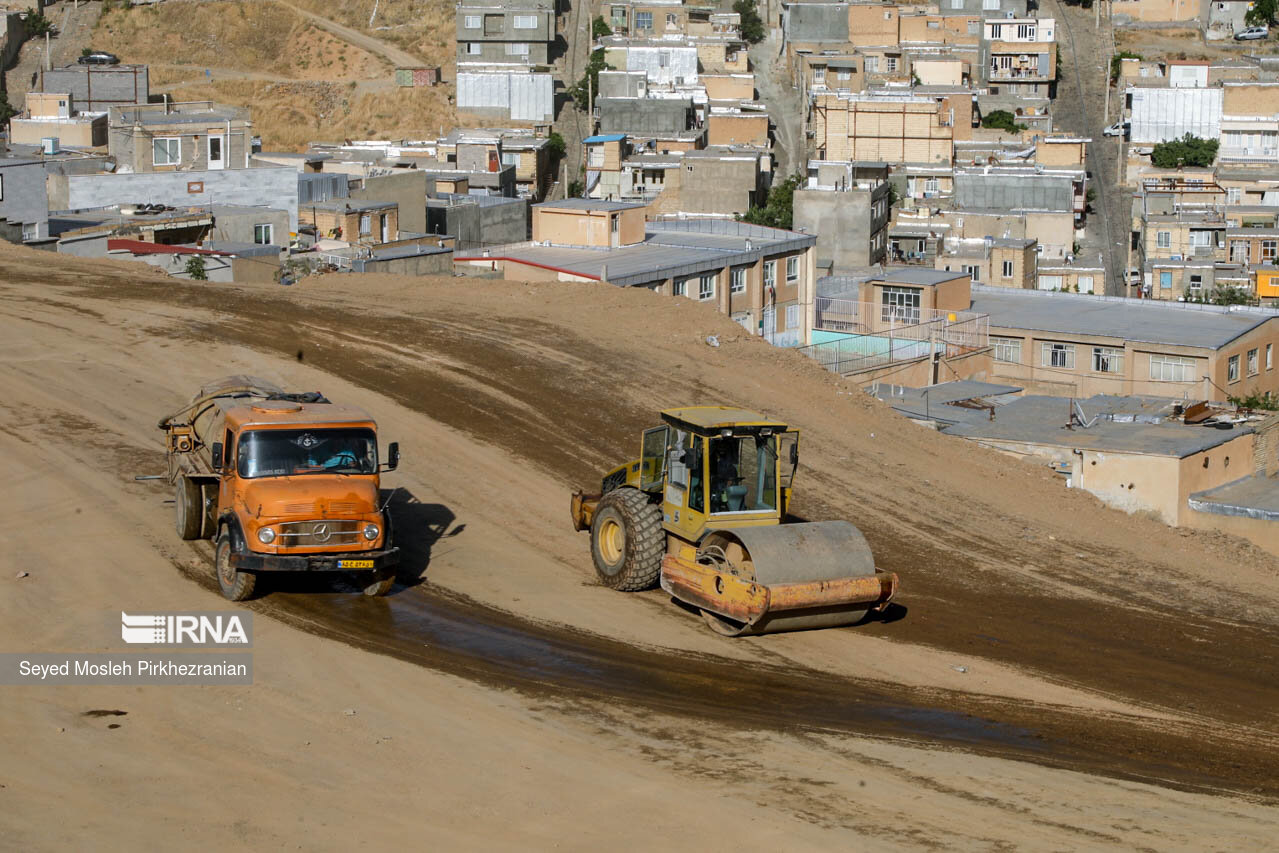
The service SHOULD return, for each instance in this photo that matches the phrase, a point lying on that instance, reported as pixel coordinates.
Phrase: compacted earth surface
(1053, 675)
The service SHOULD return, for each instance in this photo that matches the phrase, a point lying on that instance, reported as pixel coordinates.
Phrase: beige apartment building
(892, 129)
(1077, 346)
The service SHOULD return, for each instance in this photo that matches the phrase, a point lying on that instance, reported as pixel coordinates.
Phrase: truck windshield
(290, 452)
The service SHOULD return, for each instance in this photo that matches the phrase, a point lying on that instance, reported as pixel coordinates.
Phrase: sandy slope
(494, 392)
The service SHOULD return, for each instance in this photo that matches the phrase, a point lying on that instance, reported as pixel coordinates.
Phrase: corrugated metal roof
(1138, 320)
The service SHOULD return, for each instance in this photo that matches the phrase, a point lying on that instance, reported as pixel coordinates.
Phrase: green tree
(600, 28)
(581, 92)
(1256, 400)
(1187, 151)
(752, 24)
(35, 24)
(1001, 120)
(779, 210)
(555, 146)
(1262, 13)
(6, 110)
(1116, 63)
(195, 269)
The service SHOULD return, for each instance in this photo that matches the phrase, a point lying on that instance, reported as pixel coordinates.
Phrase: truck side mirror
(216, 453)
(393, 456)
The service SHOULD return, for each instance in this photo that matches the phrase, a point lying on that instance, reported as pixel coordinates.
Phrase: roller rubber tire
(630, 557)
(188, 508)
(235, 585)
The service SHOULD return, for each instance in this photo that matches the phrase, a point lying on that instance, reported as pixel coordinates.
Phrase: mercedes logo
(321, 532)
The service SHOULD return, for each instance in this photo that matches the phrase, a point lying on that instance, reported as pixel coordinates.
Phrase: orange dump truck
(280, 482)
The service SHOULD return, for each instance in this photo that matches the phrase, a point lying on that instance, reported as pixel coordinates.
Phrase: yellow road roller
(700, 512)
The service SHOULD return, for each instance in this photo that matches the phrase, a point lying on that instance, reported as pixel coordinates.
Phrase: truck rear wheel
(627, 540)
(235, 585)
(208, 510)
(188, 508)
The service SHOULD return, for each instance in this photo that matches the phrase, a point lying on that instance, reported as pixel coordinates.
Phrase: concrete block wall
(266, 187)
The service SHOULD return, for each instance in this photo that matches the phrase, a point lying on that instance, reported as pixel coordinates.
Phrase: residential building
(98, 88)
(1019, 56)
(24, 198)
(996, 261)
(1163, 114)
(721, 180)
(185, 137)
(54, 117)
(475, 222)
(514, 31)
(761, 277)
(482, 149)
(508, 92)
(894, 129)
(366, 223)
(845, 205)
(1075, 345)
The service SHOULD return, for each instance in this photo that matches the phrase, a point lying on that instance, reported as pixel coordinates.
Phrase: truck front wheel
(379, 584)
(235, 585)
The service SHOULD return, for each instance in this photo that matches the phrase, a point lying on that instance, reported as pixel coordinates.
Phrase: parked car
(1119, 128)
(99, 57)
(1252, 33)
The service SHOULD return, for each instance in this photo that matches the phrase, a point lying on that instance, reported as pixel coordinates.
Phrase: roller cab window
(743, 474)
(297, 452)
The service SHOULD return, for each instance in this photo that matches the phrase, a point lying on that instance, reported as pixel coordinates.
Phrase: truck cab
(282, 482)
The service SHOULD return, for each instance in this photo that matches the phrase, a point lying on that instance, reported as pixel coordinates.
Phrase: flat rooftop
(1141, 320)
(1118, 424)
(937, 402)
(587, 204)
(1250, 497)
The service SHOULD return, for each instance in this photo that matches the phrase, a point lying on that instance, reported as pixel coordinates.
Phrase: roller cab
(701, 513)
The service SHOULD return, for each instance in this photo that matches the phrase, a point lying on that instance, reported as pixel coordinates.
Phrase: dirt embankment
(1088, 639)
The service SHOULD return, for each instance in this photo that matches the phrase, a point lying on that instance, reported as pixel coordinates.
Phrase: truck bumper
(380, 560)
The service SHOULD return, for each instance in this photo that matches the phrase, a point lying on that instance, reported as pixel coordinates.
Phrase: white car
(1252, 33)
(1119, 128)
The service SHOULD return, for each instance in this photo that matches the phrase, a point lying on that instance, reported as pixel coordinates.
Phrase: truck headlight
(371, 531)
(266, 535)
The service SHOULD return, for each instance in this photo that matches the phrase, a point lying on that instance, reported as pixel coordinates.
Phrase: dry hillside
(302, 82)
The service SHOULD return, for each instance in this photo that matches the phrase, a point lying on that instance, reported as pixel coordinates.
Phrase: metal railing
(880, 335)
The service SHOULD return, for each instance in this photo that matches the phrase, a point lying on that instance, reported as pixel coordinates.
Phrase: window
(1233, 195)
(738, 281)
(990, 5)
(1007, 349)
(1165, 280)
(680, 288)
(843, 75)
(1107, 360)
(1084, 283)
(643, 20)
(956, 4)
(613, 223)
(1025, 32)
(1232, 369)
(1196, 282)
(1172, 368)
(871, 64)
(526, 22)
(792, 269)
(1253, 368)
(1163, 239)
(166, 151)
(366, 223)
(517, 48)
(996, 32)
(770, 273)
(1008, 269)
(1201, 238)
(706, 287)
(672, 21)
(664, 59)
(297, 452)
(1269, 248)
(792, 316)
(899, 305)
(471, 22)
(264, 234)
(1269, 363)
(819, 73)
(1238, 251)
(974, 272)
(473, 48)
(1058, 355)
(890, 63)
(931, 186)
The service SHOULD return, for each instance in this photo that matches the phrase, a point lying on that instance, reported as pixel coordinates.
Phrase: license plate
(355, 564)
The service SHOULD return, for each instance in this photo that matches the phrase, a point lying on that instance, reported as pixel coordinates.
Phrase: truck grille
(320, 533)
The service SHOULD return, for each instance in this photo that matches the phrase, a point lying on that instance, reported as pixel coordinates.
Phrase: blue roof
(605, 137)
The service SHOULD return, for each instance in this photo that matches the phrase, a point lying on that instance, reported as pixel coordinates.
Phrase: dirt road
(392, 54)
(1119, 677)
